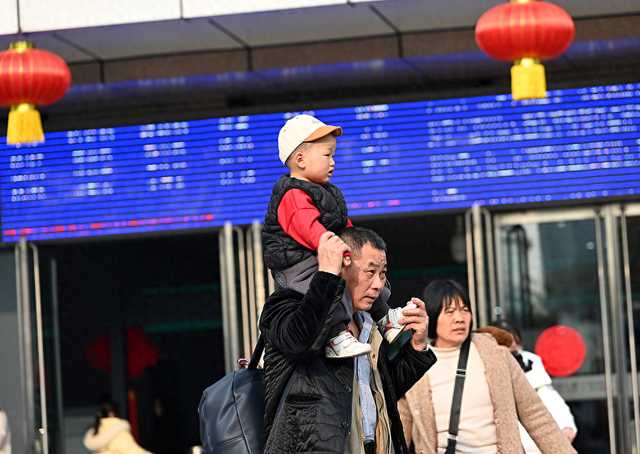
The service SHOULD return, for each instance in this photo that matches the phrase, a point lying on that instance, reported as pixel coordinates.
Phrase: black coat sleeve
(297, 324)
(408, 366)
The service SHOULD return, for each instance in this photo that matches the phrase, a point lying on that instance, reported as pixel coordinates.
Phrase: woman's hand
(570, 434)
(331, 250)
(417, 321)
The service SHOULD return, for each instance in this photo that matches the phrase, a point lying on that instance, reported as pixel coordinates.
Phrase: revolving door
(577, 268)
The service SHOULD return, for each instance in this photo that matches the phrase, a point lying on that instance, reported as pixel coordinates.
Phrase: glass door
(39, 344)
(630, 247)
(555, 267)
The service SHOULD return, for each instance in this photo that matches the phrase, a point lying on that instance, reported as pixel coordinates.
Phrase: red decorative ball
(32, 76)
(514, 30)
(562, 350)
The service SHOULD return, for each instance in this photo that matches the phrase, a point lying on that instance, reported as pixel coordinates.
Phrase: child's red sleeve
(300, 219)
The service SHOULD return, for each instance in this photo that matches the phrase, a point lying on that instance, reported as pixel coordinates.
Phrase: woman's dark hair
(443, 292)
(106, 407)
(510, 327)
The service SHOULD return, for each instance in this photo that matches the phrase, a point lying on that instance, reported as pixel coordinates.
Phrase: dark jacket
(316, 413)
(280, 250)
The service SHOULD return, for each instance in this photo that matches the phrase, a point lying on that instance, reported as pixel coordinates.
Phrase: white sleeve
(537, 375)
(541, 382)
(557, 407)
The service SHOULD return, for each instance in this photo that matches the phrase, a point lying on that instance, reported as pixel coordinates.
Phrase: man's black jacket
(316, 413)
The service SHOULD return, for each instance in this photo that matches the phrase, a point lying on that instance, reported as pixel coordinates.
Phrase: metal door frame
(253, 289)
(613, 275)
(26, 289)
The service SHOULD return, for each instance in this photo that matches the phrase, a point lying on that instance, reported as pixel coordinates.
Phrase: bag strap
(454, 418)
(257, 353)
(255, 359)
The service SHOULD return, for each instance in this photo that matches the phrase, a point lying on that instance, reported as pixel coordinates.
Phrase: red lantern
(30, 77)
(525, 31)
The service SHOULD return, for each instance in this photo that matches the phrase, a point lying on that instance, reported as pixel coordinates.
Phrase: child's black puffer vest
(280, 250)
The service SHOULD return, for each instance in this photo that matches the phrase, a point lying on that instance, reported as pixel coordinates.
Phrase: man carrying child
(314, 404)
(329, 386)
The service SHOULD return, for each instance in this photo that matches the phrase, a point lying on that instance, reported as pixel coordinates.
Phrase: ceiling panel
(300, 25)
(590, 8)
(50, 43)
(305, 25)
(150, 38)
(200, 8)
(420, 15)
(39, 15)
(9, 22)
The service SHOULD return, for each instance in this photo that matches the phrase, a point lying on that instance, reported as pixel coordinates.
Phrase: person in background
(110, 434)
(495, 396)
(5, 433)
(540, 381)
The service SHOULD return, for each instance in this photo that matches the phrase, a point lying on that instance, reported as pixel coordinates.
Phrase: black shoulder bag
(454, 418)
(232, 409)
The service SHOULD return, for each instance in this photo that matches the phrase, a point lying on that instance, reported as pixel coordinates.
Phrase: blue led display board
(392, 158)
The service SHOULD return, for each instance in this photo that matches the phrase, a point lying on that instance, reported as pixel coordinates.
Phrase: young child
(303, 206)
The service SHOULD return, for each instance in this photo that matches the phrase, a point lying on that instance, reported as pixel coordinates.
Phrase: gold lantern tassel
(24, 124)
(527, 79)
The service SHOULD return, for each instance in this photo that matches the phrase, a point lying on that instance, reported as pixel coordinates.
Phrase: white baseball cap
(302, 128)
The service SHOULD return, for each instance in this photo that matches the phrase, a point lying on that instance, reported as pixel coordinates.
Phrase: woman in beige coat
(496, 394)
(110, 434)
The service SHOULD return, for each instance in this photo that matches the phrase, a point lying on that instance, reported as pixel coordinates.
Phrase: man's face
(365, 277)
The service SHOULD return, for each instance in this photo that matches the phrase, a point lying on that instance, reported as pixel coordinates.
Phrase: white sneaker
(345, 345)
(394, 328)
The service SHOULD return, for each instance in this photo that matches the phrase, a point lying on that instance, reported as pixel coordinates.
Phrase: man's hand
(417, 321)
(331, 251)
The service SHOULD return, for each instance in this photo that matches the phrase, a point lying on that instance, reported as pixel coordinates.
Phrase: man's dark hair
(443, 293)
(510, 327)
(357, 237)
